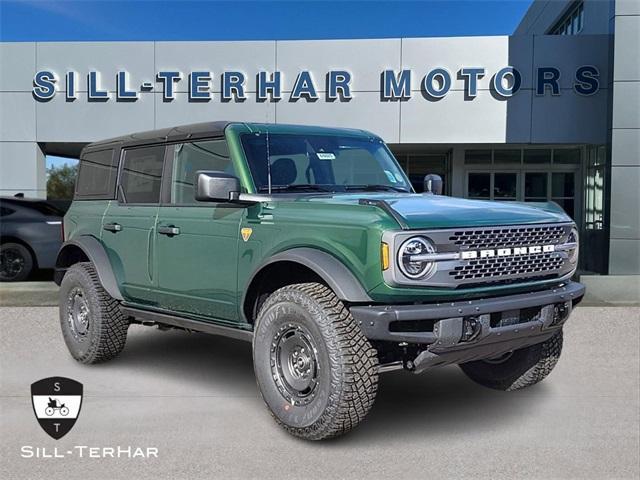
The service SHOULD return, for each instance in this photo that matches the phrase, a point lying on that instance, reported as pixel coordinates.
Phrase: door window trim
(167, 176)
(119, 188)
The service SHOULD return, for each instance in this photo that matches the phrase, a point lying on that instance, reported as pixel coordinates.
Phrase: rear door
(128, 227)
(197, 242)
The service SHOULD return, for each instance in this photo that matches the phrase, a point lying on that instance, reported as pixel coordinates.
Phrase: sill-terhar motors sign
(337, 84)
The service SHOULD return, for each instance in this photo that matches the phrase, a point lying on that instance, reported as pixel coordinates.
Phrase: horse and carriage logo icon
(56, 403)
(53, 405)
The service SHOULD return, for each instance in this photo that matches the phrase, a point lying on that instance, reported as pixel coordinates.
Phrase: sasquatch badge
(56, 404)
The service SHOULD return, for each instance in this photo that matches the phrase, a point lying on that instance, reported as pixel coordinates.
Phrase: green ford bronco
(312, 244)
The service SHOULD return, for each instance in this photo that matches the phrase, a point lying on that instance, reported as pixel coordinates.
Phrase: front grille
(471, 257)
(508, 237)
(523, 266)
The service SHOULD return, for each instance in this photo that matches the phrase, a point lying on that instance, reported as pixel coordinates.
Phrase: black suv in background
(30, 236)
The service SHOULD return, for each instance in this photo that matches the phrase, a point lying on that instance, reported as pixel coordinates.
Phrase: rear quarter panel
(85, 217)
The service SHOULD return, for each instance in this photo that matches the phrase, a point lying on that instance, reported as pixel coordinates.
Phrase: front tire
(316, 371)
(93, 327)
(520, 369)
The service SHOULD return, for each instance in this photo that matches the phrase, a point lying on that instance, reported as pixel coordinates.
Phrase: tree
(61, 181)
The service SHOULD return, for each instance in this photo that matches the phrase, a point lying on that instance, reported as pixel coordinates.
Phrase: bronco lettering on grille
(506, 252)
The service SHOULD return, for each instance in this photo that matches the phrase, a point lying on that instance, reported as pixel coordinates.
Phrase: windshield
(299, 162)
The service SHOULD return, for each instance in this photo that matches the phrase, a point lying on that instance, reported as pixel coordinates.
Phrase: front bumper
(458, 332)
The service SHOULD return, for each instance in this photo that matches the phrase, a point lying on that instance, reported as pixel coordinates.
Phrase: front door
(128, 227)
(197, 242)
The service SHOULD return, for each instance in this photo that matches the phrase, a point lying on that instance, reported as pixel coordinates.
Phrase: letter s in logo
(44, 87)
(587, 80)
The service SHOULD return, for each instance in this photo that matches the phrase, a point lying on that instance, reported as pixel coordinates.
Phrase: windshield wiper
(296, 187)
(373, 188)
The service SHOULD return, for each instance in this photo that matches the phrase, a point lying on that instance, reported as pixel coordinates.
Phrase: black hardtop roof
(200, 130)
(182, 132)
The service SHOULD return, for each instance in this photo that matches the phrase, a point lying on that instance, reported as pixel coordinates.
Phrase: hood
(438, 211)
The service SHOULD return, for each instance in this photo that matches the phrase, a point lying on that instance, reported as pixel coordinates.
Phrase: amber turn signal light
(384, 255)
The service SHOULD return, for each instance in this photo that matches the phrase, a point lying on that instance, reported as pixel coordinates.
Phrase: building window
(528, 156)
(492, 185)
(571, 22)
(416, 166)
(595, 236)
(532, 174)
(479, 186)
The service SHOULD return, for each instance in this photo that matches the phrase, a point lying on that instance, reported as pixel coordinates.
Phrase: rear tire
(93, 327)
(316, 371)
(16, 262)
(521, 369)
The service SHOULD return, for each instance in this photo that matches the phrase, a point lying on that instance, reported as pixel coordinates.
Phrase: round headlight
(573, 238)
(412, 267)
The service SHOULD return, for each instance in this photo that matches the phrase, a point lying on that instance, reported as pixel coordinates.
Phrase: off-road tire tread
(112, 324)
(353, 352)
(531, 367)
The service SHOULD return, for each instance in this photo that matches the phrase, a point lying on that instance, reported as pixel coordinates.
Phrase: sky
(89, 20)
(71, 20)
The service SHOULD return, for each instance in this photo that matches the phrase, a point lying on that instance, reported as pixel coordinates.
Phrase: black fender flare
(95, 252)
(336, 275)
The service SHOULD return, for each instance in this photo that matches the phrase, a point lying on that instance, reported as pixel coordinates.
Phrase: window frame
(167, 174)
(120, 189)
(564, 25)
(492, 173)
(115, 161)
(256, 188)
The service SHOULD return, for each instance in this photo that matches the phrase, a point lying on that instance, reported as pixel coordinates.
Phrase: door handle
(169, 230)
(112, 227)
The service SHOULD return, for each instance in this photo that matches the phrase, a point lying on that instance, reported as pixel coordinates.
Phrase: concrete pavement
(28, 294)
(194, 398)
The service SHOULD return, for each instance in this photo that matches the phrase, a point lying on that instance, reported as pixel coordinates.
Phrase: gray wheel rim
(78, 314)
(11, 263)
(294, 364)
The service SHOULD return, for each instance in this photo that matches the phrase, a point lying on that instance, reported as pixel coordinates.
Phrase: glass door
(559, 187)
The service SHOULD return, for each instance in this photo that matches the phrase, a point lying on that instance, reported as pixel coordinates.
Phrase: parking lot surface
(194, 398)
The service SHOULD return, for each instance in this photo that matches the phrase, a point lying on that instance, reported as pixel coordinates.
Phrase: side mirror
(433, 184)
(214, 186)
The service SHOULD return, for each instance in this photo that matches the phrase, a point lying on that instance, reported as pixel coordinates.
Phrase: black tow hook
(471, 328)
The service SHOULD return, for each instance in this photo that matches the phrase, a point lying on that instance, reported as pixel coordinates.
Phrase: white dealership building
(548, 113)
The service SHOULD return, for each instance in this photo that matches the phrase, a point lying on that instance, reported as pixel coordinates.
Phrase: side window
(188, 158)
(97, 176)
(141, 175)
